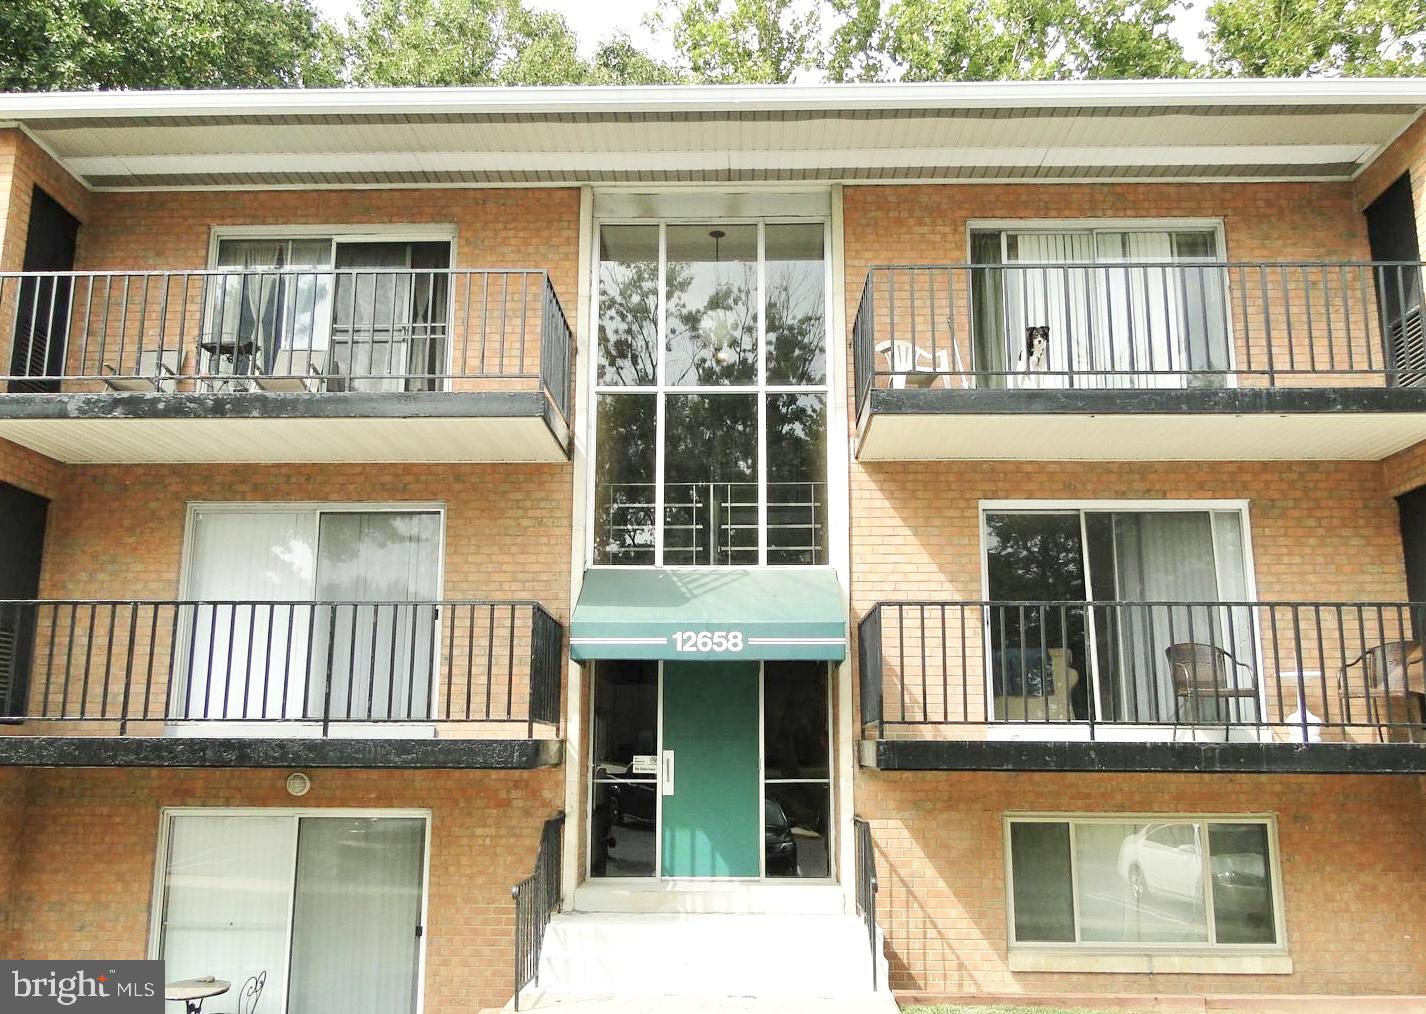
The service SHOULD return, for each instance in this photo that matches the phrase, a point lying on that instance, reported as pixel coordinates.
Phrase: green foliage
(50, 45)
(990, 40)
(1298, 38)
(742, 41)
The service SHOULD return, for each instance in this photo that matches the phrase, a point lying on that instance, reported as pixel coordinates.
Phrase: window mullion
(1206, 862)
(1074, 879)
(762, 394)
(661, 333)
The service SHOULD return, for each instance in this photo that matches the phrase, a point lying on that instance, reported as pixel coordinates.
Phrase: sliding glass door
(328, 907)
(1141, 630)
(309, 613)
(1099, 308)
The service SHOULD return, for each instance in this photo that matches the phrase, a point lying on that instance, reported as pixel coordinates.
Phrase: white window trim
(348, 233)
(1093, 225)
(1147, 956)
(295, 728)
(761, 389)
(156, 895)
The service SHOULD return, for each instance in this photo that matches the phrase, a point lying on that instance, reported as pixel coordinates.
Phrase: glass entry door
(695, 764)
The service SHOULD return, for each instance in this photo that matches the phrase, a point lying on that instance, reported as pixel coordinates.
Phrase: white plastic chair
(294, 370)
(913, 366)
(155, 371)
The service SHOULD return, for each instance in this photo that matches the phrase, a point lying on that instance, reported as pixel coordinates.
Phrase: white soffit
(1017, 130)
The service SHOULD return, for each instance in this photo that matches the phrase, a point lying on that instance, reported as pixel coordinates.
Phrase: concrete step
(691, 896)
(791, 957)
(567, 1003)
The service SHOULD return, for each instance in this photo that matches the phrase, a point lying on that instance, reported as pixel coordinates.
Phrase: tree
(742, 41)
(48, 45)
(619, 61)
(988, 40)
(1300, 38)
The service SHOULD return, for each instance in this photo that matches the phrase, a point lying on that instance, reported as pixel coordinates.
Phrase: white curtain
(380, 657)
(355, 914)
(1161, 557)
(247, 659)
(227, 892)
(1044, 292)
(1140, 310)
(373, 315)
(279, 295)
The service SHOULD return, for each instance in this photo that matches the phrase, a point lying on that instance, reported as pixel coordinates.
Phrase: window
(711, 395)
(310, 612)
(1149, 580)
(328, 906)
(1082, 307)
(366, 315)
(1164, 881)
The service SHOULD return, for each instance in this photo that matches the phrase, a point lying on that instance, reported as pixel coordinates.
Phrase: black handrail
(1300, 671)
(321, 663)
(537, 897)
(319, 330)
(867, 886)
(1137, 324)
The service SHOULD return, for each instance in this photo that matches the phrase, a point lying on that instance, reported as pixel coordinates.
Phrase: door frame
(153, 948)
(832, 836)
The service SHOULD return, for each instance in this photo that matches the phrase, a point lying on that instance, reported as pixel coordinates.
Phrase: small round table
(194, 991)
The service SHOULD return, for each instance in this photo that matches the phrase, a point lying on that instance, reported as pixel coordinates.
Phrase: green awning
(786, 613)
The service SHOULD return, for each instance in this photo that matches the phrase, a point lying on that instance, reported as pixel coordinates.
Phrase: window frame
(1204, 820)
(761, 389)
(158, 893)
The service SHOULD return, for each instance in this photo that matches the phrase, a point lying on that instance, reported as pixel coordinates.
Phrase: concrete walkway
(563, 1003)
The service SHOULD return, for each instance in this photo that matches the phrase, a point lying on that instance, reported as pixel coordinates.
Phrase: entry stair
(693, 958)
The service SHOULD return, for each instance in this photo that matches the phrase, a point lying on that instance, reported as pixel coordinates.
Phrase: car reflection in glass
(1165, 861)
(779, 846)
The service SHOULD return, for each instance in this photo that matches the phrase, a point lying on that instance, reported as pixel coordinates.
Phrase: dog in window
(1035, 357)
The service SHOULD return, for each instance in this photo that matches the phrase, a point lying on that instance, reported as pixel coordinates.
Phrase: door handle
(668, 772)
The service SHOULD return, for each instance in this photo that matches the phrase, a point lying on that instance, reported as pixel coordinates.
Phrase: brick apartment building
(969, 539)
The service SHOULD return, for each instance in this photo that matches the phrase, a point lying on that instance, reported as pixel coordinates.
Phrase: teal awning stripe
(728, 613)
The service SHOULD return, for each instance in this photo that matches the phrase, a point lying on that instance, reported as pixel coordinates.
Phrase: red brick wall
(12, 823)
(23, 164)
(88, 853)
(1351, 852)
(1407, 154)
(23, 467)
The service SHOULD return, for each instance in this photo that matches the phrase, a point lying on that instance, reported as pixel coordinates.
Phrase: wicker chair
(1205, 672)
(1392, 669)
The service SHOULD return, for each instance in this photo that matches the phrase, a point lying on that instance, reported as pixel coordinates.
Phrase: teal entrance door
(712, 811)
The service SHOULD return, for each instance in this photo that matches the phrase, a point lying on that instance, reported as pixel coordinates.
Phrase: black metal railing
(867, 886)
(143, 665)
(1299, 671)
(1140, 324)
(537, 897)
(713, 523)
(293, 330)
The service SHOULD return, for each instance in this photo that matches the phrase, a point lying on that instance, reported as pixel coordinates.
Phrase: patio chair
(1205, 672)
(155, 371)
(913, 366)
(247, 997)
(1391, 671)
(294, 370)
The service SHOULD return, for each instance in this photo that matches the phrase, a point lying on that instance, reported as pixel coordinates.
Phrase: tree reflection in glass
(628, 304)
(624, 480)
(796, 305)
(712, 313)
(710, 479)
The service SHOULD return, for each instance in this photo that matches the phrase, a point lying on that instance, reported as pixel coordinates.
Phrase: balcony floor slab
(95, 428)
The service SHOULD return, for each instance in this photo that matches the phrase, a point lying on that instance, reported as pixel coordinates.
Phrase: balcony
(1097, 361)
(256, 684)
(285, 365)
(1204, 686)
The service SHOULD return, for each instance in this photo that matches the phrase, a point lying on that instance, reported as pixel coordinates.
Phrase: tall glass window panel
(795, 307)
(1140, 883)
(271, 296)
(390, 314)
(710, 479)
(1042, 893)
(1039, 665)
(356, 912)
(711, 308)
(796, 770)
(628, 304)
(624, 773)
(796, 479)
(227, 891)
(376, 647)
(624, 487)
(245, 640)
(1243, 894)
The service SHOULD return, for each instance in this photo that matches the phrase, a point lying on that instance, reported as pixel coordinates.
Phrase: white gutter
(718, 98)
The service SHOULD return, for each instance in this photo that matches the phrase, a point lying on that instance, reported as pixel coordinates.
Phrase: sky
(595, 20)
